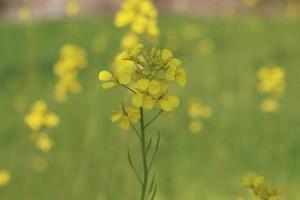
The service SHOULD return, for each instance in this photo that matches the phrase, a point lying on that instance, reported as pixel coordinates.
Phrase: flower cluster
(140, 15)
(71, 8)
(38, 120)
(271, 82)
(4, 177)
(148, 75)
(262, 189)
(197, 111)
(72, 60)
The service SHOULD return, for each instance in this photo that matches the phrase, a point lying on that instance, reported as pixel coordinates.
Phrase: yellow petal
(142, 84)
(154, 87)
(105, 76)
(166, 54)
(125, 78)
(116, 116)
(108, 85)
(137, 100)
(124, 123)
(174, 62)
(181, 77)
(171, 72)
(148, 103)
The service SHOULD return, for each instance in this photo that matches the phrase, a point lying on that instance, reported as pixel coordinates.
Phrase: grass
(89, 160)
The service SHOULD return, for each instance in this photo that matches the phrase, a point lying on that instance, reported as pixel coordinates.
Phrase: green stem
(144, 156)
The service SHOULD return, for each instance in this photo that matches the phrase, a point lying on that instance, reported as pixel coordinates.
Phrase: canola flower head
(196, 126)
(270, 105)
(5, 177)
(129, 40)
(40, 116)
(72, 59)
(271, 80)
(44, 142)
(148, 76)
(196, 109)
(140, 15)
(262, 189)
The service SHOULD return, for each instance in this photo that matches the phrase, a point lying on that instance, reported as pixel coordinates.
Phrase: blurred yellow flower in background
(262, 189)
(24, 14)
(72, 8)
(44, 142)
(100, 43)
(206, 47)
(40, 116)
(271, 79)
(140, 15)
(197, 111)
(293, 9)
(270, 105)
(196, 126)
(129, 40)
(271, 82)
(4, 177)
(72, 60)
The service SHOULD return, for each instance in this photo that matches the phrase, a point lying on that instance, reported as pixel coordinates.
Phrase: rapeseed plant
(271, 83)
(72, 60)
(198, 112)
(148, 77)
(140, 15)
(262, 189)
(39, 119)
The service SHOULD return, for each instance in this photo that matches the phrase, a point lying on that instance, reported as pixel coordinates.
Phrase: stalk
(144, 156)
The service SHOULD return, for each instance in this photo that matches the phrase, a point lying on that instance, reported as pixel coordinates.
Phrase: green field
(89, 160)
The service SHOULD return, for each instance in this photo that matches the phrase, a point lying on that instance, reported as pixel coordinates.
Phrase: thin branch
(131, 124)
(151, 186)
(128, 88)
(132, 166)
(154, 192)
(155, 151)
(156, 116)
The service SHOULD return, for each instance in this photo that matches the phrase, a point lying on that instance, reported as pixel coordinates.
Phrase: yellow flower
(191, 32)
(166, 55)
(44, 142)
(24, 14)
(4, 177)
(270, 105)
(125, 116)
(198, 110)
(196, 126)
(271, 79)
(40, 116)
(72, 60)
(141, 100)
(108, 79)
(169, 103)
(180, 77)
(129, 40)
(140, 15)
(72, 8)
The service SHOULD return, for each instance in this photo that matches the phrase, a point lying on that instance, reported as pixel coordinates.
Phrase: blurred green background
(89, 159)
